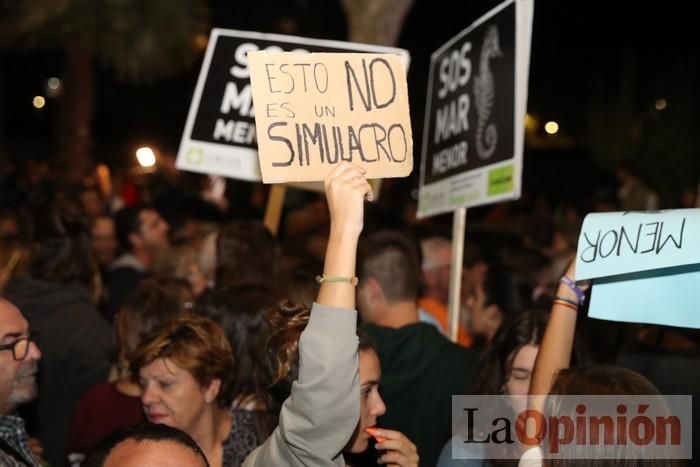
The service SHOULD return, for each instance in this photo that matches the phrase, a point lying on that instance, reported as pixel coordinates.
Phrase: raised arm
(321, 413)
(346, 190)
(558, 340)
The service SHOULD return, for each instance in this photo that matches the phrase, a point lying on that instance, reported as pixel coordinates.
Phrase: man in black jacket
(421, 368)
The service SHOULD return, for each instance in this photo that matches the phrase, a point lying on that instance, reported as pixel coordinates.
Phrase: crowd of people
(132, 327)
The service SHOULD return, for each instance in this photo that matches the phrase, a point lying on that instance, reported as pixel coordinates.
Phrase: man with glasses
(18, 366)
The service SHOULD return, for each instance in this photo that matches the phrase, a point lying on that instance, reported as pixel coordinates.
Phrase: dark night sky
(578, 51)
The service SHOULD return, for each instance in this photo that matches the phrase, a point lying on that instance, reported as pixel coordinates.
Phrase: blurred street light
(660, 104)
(145, 157)
(551, 127)
(53, 87)
(39, 102)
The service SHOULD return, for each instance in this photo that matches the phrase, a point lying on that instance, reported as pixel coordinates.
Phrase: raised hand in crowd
(558, 340)
(323, 408)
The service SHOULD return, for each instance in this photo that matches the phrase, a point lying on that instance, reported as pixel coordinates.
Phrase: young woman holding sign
(315, 360)
(392, 447)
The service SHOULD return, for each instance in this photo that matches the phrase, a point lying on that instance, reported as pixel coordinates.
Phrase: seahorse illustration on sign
(484, 93)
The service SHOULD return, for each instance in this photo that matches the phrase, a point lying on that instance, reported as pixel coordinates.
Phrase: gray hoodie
(323, 409)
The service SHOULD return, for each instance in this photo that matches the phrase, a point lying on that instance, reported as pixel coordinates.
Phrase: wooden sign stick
(273, 211)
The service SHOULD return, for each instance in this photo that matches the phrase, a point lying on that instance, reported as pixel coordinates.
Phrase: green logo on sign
(500, 180)
(459, 200)
(194, 156)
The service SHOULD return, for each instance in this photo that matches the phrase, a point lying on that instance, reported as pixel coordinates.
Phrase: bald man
(18, 366)
(147, 445)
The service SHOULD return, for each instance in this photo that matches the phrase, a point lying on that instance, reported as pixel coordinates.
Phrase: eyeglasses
(20, 347)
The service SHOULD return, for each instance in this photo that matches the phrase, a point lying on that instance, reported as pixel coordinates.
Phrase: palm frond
(145, 40)
(140, 39)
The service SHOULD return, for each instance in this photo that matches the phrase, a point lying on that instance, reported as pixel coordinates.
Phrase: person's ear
(135, 239)
(212, 390)
(374, 291)
(493, 315)
(470, 300)
(369, 292)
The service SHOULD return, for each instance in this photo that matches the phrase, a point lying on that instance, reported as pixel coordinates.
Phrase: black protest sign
(477, 94)
(472, 97)
(220, 135)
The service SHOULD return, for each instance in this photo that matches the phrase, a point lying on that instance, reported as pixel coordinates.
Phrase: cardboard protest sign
(220, 135)
(645, 266)
(316, 110)
(474, 120)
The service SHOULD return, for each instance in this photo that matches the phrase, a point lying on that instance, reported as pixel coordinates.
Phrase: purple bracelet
(567, 281)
